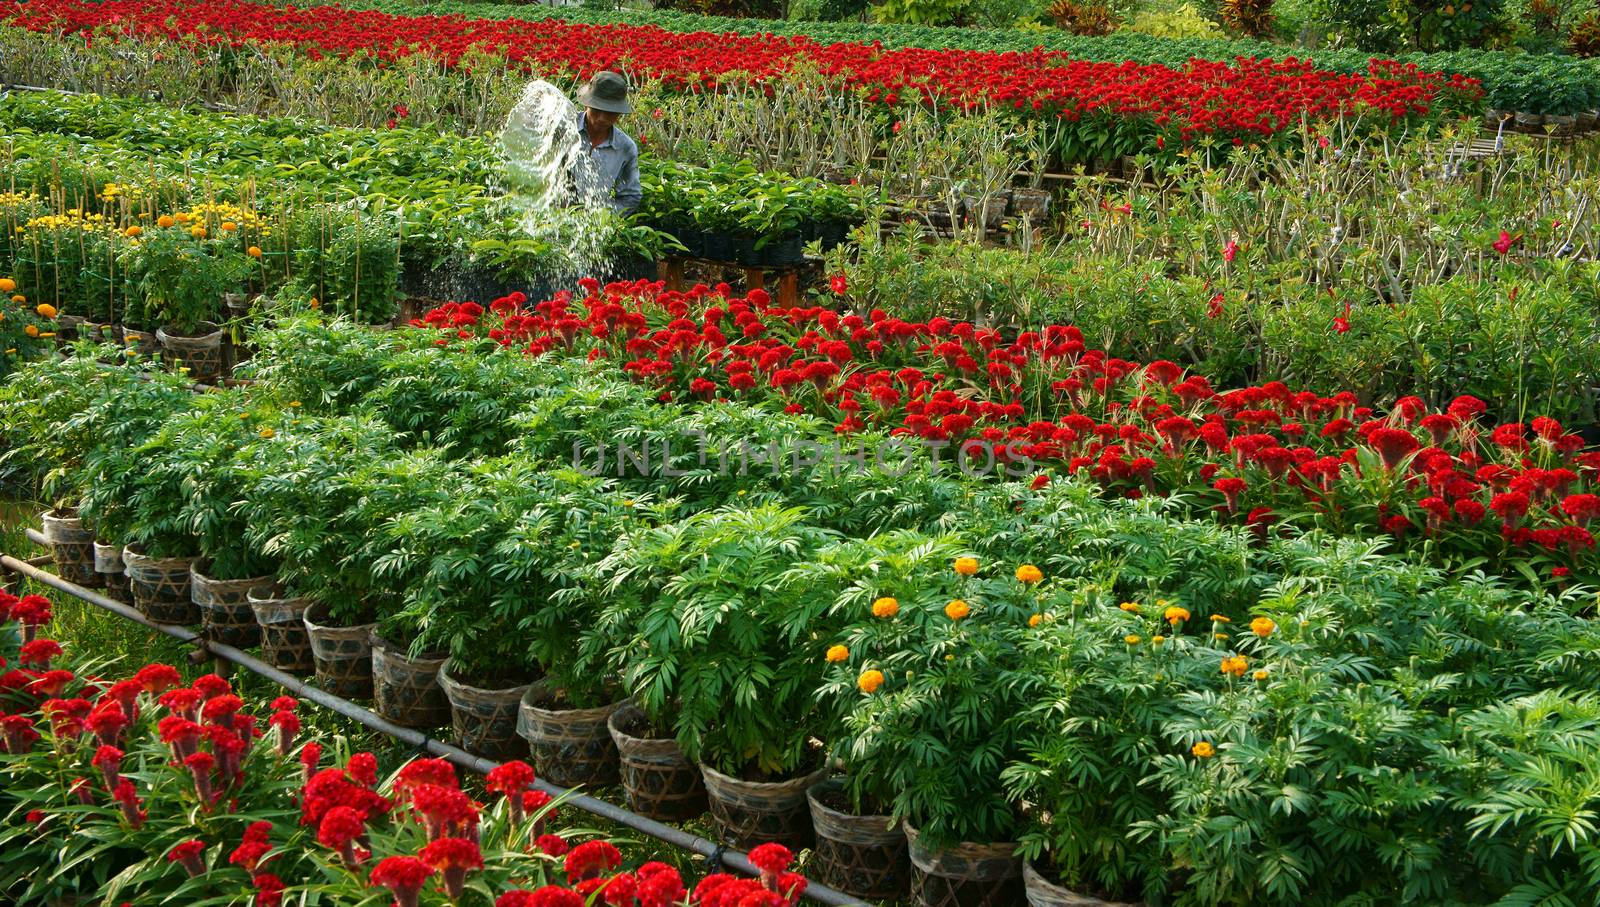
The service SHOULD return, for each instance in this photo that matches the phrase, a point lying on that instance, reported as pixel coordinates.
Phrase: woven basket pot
(143, 343)
(659, 781)
(160, 587)
(108, 563)
(285, 644)
(755, 812)
(406, 690)
(485, 721)
(569, 747)
(201, 355)
(71, 546)
(343, 655)
(863, 856)
(1044, 893)
(225, 613)
(966, 875)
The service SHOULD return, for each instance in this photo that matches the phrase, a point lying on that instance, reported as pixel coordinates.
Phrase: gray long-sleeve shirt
(616, 161)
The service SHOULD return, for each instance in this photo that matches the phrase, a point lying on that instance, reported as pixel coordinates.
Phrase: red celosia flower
(1581, 507)
(1511, 506)
(310, 756)
(437, 772)
(51, 683)
(183, 701)
(403, 876)
(220, 709)
(269, 890)
(287, 725)
(201, 765)
(108, 759)
(551, 845)
(249, 854)
(445, 810)
(363, 769)
(285, 704)
(128, 800)
(1230, 488)
(339, 829)
(39, 653)
(31, 611)
(591, 858)
(187, 854)
(453, 857)
(19, 734)
(212, 686)
(156, 679)
(1393, 445)
(106, 722)
(771, 858)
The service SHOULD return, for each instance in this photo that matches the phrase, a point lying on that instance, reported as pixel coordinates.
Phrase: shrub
(1090, 19)
(1180, 23)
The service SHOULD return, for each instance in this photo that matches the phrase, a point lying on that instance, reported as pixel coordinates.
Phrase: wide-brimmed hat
(606, 91)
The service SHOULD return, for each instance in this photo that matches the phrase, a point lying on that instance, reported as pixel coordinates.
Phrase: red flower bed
(185, 783)
(1253, 455)
(1245, 99)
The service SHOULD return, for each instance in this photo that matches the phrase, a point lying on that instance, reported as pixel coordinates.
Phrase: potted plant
(405, 678)
(177, 274)
(932, 667)
(701, 622)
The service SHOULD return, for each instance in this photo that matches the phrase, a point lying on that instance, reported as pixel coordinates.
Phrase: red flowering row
(1243, 99)
(1042, 398)
(65, 723)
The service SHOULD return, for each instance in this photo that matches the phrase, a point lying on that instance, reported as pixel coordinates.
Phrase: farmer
(615, 156)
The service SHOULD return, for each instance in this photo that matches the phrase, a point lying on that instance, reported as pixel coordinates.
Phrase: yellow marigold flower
(1130, 607)
(1219, 636)
(837, 653)
(1203, 749)
(885, 607)
(1131, 639)
(1157, 639)
(869, 681)
(7, 285)
(1260, 675)
(1219, 619)
(1235, 665)
(1028, 573)
(294, 403)
(45, 310)
(31, 330)
(229, 226)
(253, 251)
(267, 432)
(1035, 620)
(1262, 627)
(244, 415)
(967, 566)
(165, 220)
(133, 232)
(1175, 614)
(957, 609)
(19, 299)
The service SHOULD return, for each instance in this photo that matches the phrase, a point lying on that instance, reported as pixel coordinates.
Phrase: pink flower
(1503, 244)
(1230, 250)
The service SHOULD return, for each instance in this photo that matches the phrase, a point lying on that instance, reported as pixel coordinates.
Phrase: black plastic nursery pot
(781, 253)
(718, 246)
(484, 721)
(285, 644)
(660, 782)
(569, 747)
(968, 874)
(745, 252)
(225, 613)
(71, 547)
(864, 856)
(406, 690)
(342, 654)
(748, 813)
(160, 586)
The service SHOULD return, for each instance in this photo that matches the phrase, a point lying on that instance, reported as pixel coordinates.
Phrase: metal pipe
(731, 859)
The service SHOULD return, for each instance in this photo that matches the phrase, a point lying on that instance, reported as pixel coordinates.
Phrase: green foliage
(349, 259)
(920, 12)
(826, 10)
(1183, 22)
(177, 279)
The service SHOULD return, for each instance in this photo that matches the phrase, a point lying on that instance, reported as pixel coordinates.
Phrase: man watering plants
(612, 151)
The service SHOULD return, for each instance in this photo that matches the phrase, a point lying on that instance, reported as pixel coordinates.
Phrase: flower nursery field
(1217, 531)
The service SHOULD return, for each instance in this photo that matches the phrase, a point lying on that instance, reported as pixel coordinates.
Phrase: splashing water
(552, 183)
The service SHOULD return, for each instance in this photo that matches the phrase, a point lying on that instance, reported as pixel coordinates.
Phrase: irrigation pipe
(730, 859)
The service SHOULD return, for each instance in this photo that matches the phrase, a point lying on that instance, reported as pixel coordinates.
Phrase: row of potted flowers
(718, 610)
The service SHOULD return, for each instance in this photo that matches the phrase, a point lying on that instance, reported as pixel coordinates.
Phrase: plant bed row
(1132, 107)
(1058, 634)
(189, 792)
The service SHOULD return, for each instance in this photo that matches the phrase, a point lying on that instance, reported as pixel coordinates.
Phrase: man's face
(605, 119)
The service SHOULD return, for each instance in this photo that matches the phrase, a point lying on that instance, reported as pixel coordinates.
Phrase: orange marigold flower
(229, 226)
(1220, 619)
(31, 330)
(1028, 573)
(133, 232)
(885, 607)
(165, 220)
(1235, 665)
(1203, 749)
(967, 566)
(7, 285)
(1035, 620)
(1175, 614)
(957, 609)
(1261, 674)
(197, 232)
(267, 432)
(1130, 607)
(837, 653)
(1263, 627)
(869, 681)
(45, 310)
(253, 251)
